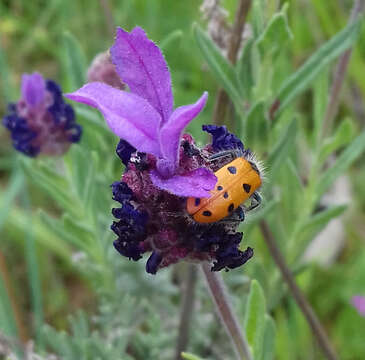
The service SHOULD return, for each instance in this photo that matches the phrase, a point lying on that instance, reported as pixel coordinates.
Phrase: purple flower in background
(358, 302)
(41, 122)
(144, 117)
(163, 165)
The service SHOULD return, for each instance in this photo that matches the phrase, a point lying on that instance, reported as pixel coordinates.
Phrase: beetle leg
(237, 216)
(222, 154)
(255, 202)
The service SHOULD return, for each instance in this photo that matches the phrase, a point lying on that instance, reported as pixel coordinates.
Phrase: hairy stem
(299, 297)
(186, 310)
(222, 99)
(339, 76)
(224, 308)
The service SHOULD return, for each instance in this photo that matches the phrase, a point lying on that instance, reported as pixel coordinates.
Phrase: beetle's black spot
(230, 207)
(232, 169)
(225, 195)
(247, 187)
(219, 187)
(197, 201)
(254, 167)
(207, 213)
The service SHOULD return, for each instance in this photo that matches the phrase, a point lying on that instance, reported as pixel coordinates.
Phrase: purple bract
(144, 117)
(41, 122)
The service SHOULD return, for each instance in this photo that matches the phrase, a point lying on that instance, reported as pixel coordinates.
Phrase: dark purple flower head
(153, 220)
(41, 122)
(163, 167)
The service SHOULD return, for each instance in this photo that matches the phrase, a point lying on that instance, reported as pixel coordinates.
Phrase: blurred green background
(45, 277)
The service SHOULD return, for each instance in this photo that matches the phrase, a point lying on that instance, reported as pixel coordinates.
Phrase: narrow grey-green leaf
(257, 126)
(53, 183)
(16, 184)
(188, 356)
(58, 228)
(247, 68)
(34, 278)
(318, 221)
(276, 33)
(347, 157)
(255, 318)
(171, 38)
(75, 61)
(269, 338)
(281, 149)
(299, 81)
(219, 65)
(257, 16)
(7, 320)
(342, 137)
(320, 100)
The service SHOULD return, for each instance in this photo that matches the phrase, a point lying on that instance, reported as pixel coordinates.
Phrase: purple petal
(171, 132)
(141, 65)
(359, 303)
(129, 116)
(196, 183)
(33, 88)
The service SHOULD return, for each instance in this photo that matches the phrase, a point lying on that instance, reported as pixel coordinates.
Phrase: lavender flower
(40, 122)
(163, 167)
(358, 302)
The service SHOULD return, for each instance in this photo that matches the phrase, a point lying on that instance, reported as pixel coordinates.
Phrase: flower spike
(163, 166)
(41, 122)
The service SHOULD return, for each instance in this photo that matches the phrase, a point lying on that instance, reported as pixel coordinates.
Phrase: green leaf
(248, 67)
(188, 356)
(16, 184)
(342, 163)
(34, 279)
(302, 78)
(255, 319)
(312, 227)
(269, 338)
(75, 61)
(257, 16)
(219, 65)
(80, 165)
(257, 126)
(53, 183)
(276, 34)
(318, 221)
(7, 319)
(282, 149)
(320, 100)
(342, 137)
(57, 226)
(171, 38)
